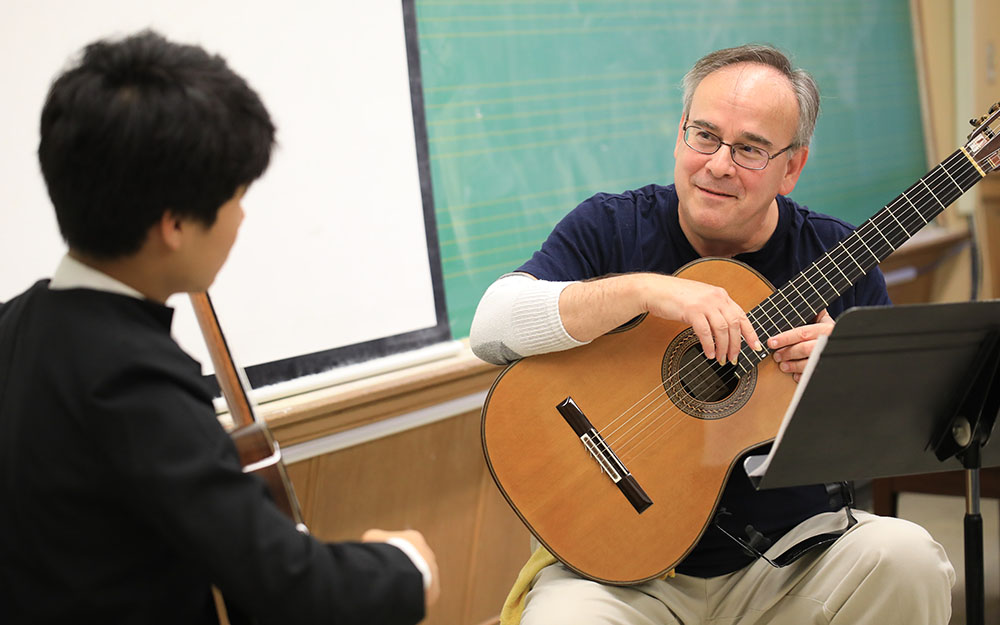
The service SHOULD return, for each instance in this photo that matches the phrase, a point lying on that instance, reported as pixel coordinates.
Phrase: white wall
(333, 249)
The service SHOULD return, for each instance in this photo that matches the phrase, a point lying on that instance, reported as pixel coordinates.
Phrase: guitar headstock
(984, 142)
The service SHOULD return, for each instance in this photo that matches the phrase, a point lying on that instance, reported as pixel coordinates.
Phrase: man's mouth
(715, 192)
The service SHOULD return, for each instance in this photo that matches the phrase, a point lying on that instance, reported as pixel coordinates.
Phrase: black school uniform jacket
(122, 499)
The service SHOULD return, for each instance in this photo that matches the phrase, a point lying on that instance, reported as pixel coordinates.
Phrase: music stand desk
(881, 397)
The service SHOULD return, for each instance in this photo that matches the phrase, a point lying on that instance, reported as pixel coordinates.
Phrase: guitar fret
(763, 310)
(822, 275)
(901, 226)
(875, 243)
(813, 287)
(791, 283)
(879, 230)
(797, 301)
(915, 209)
(844, 248)
(945, 170)
(790, 324)
(829, 257)
(874, 255)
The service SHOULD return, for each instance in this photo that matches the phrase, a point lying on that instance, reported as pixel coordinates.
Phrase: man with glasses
(742, 142)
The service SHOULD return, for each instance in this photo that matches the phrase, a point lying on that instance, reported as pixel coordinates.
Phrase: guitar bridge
(604, 455)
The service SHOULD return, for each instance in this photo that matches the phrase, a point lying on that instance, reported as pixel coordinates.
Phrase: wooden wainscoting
(431, 477)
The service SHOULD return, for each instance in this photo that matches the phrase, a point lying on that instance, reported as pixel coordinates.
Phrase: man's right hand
(719, 323)
(590, 309)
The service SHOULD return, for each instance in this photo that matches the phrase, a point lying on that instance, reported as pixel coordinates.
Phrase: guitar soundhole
(701, 387)
(706, 380)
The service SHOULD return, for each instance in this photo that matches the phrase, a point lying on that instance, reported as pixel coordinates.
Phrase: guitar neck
(800, 300)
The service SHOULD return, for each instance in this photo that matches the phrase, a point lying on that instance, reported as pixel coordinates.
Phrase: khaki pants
(883, 571)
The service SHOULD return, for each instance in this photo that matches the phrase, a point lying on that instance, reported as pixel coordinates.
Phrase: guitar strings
(881, 214)
(652, 428)
(709, 375)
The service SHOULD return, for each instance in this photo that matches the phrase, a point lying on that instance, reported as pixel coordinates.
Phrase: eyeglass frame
(732, 147)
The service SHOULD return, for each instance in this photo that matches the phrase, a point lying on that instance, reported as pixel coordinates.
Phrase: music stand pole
(975, 592)
(963, 436)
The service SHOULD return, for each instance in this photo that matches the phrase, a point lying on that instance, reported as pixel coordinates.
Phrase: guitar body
(679, 448)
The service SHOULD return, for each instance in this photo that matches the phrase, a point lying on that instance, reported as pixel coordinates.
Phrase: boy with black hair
(123, 498)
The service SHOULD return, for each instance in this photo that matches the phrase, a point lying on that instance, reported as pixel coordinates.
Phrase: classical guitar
(259, 452)
(615, 454)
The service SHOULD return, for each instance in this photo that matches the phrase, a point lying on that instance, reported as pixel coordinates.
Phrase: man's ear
(680, 136)
(793, 169)
(169, 229)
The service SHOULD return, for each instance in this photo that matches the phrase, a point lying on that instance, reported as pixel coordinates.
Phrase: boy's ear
(169, 230)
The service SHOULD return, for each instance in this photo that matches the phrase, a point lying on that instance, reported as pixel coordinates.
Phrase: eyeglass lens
(748, 156)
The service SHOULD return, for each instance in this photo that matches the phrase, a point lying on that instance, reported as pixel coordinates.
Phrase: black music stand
(897, 391)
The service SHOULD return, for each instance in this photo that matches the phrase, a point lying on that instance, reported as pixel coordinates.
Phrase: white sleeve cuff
(418, 560)
(518, 316)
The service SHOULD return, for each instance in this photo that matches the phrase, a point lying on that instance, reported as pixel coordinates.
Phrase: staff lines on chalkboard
(477, 3)
(846, 152)
(505, 266)
(681, 8)
(873, 75)
(528, 246)
(832, 171)
(587, 188)
(836, 191)
(841, 158)
(604, 121)
(540, 144)
(838, 188)
(548, 215)
(546, 96)
(560, 208)
(510, 255)
(751, 9)
(500, 233)
(548, 16)
(548, 80)
(673, 102)
(747, 20)
(583, 30)
(834, 184)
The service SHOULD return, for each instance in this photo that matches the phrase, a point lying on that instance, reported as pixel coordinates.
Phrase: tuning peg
(993, 109)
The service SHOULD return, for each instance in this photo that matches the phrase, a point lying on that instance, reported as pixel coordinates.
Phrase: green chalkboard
(531, 107)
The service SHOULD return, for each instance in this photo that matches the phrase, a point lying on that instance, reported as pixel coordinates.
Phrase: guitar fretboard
(804, 296)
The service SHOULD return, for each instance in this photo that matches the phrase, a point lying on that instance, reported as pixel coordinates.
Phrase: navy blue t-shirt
(639, 231)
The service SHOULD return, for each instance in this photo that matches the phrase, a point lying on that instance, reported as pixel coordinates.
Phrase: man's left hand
(791, 349)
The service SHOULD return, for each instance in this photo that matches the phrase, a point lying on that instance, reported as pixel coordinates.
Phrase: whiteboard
(333, 250)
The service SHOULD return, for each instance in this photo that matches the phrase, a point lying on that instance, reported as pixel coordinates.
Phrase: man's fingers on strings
(703, 331)
(720, 331)
(750, 334)
(735, 339)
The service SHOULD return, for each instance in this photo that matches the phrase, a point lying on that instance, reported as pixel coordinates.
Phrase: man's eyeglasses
(744, 155)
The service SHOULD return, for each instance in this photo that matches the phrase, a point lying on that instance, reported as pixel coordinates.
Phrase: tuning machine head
(978, 122)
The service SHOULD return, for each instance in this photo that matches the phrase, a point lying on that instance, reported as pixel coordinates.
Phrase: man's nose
(721, 163)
